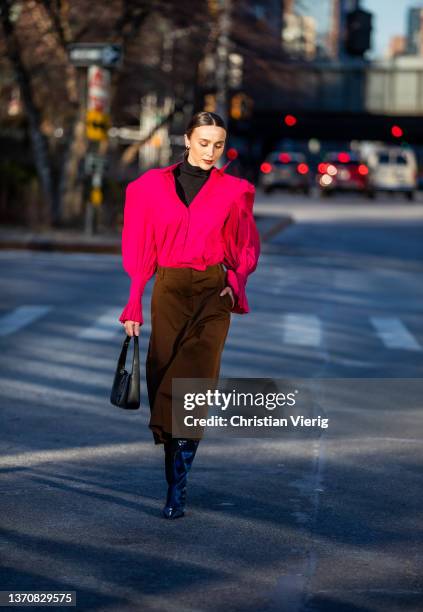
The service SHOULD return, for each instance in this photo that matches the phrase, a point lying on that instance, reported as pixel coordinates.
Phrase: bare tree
(23, 77)
(36, 36)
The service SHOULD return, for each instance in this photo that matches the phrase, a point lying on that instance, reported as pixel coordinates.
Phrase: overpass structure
(352, 99)
(394, 86)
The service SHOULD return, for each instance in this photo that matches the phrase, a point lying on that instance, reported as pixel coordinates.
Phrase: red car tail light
(266, 167)
(284, 157)
(302, 168)
(344, 158)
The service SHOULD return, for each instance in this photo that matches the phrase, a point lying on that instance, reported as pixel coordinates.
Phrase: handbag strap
(136, 359)
(124, 352)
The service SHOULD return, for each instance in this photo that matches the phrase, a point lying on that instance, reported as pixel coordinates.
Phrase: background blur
(324, 104)
(93, 95)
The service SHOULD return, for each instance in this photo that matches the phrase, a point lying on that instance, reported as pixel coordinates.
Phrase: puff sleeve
(241, 245)
(139, 258)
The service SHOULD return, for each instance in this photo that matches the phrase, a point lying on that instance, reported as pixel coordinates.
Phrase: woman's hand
(228, 289)
(132, 328)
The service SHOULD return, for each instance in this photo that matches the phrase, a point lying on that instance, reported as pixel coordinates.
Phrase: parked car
(285, 170)
(342, 171)
(392, 169)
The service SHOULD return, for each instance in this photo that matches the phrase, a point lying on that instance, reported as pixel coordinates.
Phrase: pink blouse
(217, 227)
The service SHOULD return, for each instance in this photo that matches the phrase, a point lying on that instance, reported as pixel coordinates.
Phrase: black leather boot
(179, 455)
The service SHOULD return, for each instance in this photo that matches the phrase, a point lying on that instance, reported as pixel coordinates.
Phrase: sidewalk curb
(46, 244)
(97, 244)
(276, 228)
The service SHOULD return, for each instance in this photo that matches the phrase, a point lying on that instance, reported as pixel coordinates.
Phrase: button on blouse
(159, 229)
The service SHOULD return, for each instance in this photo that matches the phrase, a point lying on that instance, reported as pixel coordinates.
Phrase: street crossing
(288, 328)
(394, 334)
(103, 328)
(20, 317)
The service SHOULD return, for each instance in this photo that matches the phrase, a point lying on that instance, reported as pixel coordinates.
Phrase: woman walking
(187, 222)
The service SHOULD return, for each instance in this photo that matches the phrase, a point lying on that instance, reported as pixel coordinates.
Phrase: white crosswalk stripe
(105, 327)
(394, 334)
(21, 317)
(302, 329)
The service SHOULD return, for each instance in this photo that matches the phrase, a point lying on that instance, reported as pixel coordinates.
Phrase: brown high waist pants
(190, 322)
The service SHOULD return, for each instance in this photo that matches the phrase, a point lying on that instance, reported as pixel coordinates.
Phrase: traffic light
(241, 106)
(290, 120)
(358, 32)
(232, 153)
(236, 106)
(210, 103)
(396, 131)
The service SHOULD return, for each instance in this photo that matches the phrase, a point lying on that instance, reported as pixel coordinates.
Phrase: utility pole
(222, 58)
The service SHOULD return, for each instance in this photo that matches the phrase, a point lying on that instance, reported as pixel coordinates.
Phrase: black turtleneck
(188, 180)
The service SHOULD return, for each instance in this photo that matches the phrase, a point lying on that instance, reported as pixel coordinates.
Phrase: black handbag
(126, 386)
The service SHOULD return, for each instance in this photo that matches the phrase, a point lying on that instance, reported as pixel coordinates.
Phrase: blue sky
(389, 18)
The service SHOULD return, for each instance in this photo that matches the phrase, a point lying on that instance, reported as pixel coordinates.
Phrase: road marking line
(20, 317)
(105, 327)
(394, 334)
(302, 329)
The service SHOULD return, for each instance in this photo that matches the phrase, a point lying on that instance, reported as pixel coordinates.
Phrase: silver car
(285, 170)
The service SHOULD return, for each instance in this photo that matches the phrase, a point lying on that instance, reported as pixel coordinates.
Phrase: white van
(392, 169)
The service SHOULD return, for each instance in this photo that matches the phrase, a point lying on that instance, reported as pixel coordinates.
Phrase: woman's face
(206, 145)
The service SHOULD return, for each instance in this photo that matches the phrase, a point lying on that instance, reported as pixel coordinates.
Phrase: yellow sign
(96, 196)
(97, 125)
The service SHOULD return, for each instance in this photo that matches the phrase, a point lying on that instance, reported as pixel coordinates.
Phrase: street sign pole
(97, 125)
(99, 59)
